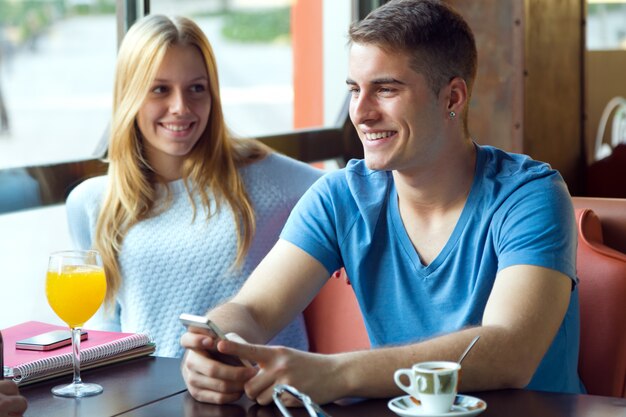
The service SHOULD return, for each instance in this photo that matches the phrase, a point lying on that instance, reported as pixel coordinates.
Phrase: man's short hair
(438, 40)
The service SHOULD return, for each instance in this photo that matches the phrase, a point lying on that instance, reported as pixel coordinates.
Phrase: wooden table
(127, 386)
(153, 387)
(506, 403)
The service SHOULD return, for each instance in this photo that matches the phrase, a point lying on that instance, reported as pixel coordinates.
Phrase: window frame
(339, 143)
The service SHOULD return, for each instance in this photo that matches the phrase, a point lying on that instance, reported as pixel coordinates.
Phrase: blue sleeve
(312, 226)
(537, 227)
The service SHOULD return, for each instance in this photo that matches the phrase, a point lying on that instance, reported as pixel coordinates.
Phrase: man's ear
(457, 96)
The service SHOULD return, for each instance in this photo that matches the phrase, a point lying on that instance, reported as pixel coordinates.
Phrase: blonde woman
(186, 211)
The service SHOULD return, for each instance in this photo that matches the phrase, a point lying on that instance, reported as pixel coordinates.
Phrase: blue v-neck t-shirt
(518, 211)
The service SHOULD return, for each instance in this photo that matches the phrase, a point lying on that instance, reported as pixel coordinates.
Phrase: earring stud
(452, 115)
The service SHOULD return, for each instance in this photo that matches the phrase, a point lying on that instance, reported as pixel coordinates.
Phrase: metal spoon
(469, 347)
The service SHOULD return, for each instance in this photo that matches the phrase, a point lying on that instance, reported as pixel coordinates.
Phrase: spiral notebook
(101, 348)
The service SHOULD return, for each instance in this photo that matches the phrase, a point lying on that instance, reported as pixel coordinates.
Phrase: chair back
(601, 268)
(333, 320)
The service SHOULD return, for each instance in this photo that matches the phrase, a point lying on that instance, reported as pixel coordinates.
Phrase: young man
(442, 239)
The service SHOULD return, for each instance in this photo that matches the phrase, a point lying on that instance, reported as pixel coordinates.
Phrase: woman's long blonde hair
(211, 165)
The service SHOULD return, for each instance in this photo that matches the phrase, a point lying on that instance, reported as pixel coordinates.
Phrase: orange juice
(76, 293)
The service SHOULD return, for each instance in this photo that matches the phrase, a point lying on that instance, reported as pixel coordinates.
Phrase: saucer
(464, 406)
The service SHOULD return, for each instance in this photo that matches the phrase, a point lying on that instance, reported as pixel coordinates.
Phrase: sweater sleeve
(82, 208)
(106, 319)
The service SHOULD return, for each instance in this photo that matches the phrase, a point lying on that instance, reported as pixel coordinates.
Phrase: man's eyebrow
(387, 80)
(384, 80)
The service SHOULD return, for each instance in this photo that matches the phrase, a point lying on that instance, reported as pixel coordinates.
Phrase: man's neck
(442, 185)
(431, 201)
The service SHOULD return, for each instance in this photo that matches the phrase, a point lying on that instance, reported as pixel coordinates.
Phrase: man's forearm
(492, 364)
(234, 317)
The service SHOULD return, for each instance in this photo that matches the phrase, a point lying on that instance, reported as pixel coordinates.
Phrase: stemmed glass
(75, 287)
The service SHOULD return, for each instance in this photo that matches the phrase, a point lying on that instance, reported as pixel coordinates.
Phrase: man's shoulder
(356, 173)
(355, 184)
(358, 168)
(507, 180)
(506, 164)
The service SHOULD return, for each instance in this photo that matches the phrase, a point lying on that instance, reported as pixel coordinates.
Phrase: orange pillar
(308, 79)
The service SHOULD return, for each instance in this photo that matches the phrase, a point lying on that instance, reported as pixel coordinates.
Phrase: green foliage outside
(593, 9)
(97, 7)
(25, 19)
(266, 25)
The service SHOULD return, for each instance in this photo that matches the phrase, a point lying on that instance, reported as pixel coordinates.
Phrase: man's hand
(11, 402)
(310, 373)
(207, 379)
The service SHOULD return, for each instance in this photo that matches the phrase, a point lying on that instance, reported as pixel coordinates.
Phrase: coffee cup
(434, 384)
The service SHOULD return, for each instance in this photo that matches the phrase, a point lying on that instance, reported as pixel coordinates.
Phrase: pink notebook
(100, 348)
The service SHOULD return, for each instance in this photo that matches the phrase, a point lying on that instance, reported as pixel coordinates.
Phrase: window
(282, 64)
(605, 65)
(56, 69)
(606, 25)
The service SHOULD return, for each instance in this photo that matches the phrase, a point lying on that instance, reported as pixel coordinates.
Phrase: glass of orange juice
(75, 287)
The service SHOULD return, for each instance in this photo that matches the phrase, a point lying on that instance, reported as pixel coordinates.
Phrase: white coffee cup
(434, 384)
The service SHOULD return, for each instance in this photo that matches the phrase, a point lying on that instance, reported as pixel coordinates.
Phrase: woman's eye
(159, 89)
(198, 88)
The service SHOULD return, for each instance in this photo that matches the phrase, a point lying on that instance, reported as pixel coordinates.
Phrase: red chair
(612, 212)
(333, 319)
(602, 272)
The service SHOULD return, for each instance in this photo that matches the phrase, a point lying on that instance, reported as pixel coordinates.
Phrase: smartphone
(50, 340)
(191, 320)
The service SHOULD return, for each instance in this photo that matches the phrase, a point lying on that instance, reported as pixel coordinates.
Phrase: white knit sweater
(171, 265)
